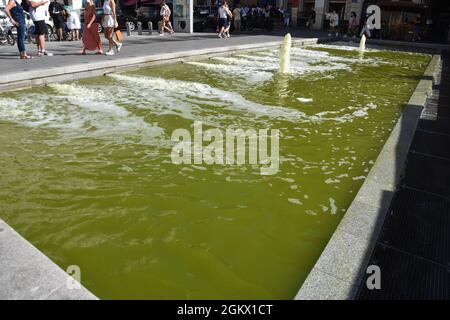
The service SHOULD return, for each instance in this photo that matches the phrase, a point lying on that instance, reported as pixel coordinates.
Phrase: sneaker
(46, 53)
(329, 34)
(109, 53)
(220, 36)
(161, 34)
(119, 46)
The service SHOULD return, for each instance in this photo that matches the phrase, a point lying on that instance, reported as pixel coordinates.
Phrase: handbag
(118, 34)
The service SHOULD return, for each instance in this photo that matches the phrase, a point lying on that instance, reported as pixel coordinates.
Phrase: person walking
(222, 19)
(57, 13)
(165, 19)
(74, 25)
(237, 18)
(14, 11)
(365, 29)
(109, 22)
(225, 17)
(228, 23)
(91, 37)
(287, 18)
(417, 28)
(38, 12)
(352, 25)
(334, 23)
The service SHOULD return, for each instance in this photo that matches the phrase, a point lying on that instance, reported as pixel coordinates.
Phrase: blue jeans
(21, 37)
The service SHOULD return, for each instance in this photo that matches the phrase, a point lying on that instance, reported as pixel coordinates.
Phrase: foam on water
(251, 73)
(305, 100)
(261, 67)
(201, 95)
(77, 112)
(344, 46)
(198, 101)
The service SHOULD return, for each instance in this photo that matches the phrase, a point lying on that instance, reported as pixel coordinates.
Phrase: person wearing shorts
(223, 19)
(165, 19)
(38, 12)
(57, 13)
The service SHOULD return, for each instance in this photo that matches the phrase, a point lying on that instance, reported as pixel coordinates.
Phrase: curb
(31, 274)
(340, 268)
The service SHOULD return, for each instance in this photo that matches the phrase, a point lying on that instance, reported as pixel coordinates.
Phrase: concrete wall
(321, 8)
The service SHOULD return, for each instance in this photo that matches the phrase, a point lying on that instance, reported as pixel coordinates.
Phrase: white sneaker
(119, 46)
(220, 36)
(161, 34)
(109, 53)
(46, 53)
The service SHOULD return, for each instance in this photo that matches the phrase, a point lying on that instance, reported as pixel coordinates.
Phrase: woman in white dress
(74, 25)
(109, 22)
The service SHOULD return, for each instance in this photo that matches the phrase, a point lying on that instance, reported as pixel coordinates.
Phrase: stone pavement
(138, 51)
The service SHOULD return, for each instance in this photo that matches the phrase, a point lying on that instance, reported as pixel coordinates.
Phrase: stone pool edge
(28, 274)
(23, 80)
(338, 272)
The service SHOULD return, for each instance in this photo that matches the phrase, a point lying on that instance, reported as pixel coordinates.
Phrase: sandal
(26, 57)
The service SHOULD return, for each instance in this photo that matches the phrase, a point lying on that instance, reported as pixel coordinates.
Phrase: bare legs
(109, 34)
(40, 42)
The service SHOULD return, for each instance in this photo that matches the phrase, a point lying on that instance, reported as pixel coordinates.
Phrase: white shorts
(108, 22)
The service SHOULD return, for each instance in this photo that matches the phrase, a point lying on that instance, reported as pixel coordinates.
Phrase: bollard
(150, 28)
(128, 29)
(139, 26)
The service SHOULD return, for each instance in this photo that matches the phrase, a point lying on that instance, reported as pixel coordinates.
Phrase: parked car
(205, 17)
(150, 12)
(201, 14)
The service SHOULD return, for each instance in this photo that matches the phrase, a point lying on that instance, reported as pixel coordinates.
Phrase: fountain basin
(97, 188)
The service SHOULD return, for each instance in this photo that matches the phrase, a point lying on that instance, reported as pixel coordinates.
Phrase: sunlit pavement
(68, 52)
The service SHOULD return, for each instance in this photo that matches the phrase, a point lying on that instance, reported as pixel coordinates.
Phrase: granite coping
(27, 274)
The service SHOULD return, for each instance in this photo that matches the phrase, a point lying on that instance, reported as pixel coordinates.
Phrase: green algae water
(86, 173)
